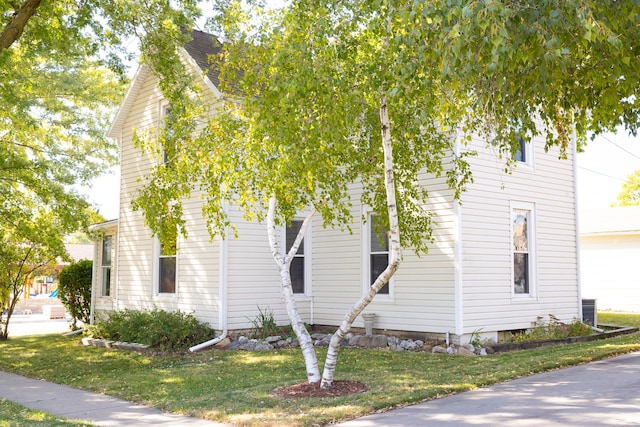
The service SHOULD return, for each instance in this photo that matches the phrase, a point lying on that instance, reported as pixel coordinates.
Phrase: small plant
(74, 290)
(264, 324)
(475, 339)
(164, 330)
(551, 329)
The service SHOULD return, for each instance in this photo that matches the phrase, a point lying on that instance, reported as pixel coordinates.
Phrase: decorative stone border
(610, 332)
(131, 346)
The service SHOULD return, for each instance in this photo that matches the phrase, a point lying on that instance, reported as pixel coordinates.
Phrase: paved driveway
(604, 393)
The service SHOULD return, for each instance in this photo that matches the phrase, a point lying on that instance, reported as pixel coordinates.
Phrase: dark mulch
(339, 388)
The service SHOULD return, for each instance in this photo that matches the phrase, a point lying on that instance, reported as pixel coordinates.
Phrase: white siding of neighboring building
(609, 257)
(488, 302)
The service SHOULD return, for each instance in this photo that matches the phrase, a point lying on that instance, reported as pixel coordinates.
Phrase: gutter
(223, 294)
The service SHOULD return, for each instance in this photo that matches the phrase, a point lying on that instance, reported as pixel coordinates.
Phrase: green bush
(164, 330)
(74, 290)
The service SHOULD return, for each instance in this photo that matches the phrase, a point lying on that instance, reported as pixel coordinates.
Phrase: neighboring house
(610, 257)
(505, 256)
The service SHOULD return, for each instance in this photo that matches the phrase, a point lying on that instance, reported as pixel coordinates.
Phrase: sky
(602, 169)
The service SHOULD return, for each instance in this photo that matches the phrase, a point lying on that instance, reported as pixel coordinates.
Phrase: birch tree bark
(283, 261)
(394, 256)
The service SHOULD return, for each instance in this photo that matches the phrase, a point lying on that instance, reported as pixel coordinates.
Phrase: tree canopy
(310, 89)
(62, 74)
(630, 193)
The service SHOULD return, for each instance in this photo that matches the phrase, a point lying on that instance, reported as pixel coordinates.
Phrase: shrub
(553, 329)
(74, 290)
(164, 330)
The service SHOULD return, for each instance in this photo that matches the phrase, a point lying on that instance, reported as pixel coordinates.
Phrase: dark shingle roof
(200, 47)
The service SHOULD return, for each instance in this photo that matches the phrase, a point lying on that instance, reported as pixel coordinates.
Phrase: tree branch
(15, 27)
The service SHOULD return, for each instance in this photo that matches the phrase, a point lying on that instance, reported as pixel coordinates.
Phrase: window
(167, 267)
(296, 269)
(378, 253)
(105, 266)
(522, 250)
(521, 153)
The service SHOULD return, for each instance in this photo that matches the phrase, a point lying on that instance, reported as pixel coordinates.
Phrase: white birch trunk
(394, 257)
(283, 262)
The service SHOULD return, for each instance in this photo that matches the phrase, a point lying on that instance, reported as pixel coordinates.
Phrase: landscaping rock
(463, 351)
(438, 349)
(374, 341)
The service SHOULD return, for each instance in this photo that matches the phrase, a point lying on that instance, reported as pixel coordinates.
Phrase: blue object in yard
(54, 294)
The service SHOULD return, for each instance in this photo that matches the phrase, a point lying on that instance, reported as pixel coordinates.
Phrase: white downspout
(577, 216)
(458, 273)
(223, 294)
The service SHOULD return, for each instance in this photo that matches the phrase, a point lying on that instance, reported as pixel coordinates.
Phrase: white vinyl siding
(488, 299)
(423, 287)
(199, 266)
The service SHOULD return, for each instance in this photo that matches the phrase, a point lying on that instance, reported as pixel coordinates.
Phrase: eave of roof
(624, 220)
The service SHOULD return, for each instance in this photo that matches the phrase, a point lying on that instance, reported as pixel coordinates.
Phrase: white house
(505, 256)
(610, 257)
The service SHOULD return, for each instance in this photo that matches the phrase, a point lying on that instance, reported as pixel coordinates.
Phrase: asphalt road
(604, 393)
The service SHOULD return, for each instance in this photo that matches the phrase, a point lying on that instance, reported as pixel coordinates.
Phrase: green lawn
(235, 387)
(13, 415)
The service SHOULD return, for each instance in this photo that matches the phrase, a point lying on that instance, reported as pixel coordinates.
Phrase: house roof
(196, 51)
(611, 221)
(201, 46)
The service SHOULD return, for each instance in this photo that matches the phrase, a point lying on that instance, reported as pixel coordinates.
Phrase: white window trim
(155, 276)
(101, 268)
(307, 242)
(532, 245)
(366, 260)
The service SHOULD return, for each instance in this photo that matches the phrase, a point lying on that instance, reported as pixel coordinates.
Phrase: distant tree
(630, 194)
(31, 244)
(75, 290)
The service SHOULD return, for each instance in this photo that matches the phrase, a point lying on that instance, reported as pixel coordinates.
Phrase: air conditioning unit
(590, 312)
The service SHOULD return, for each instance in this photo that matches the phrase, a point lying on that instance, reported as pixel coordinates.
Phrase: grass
(12, 414)
(234, 387)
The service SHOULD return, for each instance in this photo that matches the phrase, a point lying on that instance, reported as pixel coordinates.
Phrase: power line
(603, 174)
(622, 148)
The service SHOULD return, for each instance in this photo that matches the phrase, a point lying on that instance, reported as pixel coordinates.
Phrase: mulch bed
(339, 388)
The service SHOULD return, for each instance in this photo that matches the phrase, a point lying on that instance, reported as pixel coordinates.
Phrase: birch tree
(324, 95)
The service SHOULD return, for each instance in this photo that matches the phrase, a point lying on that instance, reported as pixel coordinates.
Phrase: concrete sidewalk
(81, 405)
(598, 394)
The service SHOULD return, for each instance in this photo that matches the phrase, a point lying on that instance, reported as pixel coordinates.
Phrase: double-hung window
(167, 267)
(105, 266)
(297, 267)
(378, 252)
(523, 254)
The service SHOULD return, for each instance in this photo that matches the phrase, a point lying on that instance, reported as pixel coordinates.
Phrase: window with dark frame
(378, 253)
(297, 263)
(167, 268)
